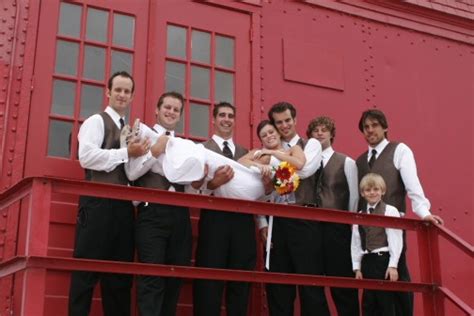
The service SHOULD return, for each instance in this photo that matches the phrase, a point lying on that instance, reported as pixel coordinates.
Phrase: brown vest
(306, 193)
(156, 181)
(111, 141)
(334, 188)
(384, 166)
(374, 237)
(212, 145)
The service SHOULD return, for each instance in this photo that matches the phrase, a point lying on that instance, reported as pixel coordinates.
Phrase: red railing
(31, 254)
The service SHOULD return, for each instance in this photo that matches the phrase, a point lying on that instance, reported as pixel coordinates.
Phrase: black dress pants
(226, 241)
(104, 231)
(375, 302)
(403, 300)
(163, 236)
(297, 248)
(338, 262)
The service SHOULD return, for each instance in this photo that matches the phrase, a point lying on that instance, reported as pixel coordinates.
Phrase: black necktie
(122, 123)
(372, 158)
(226, 151)
(371, 210)
(319, 184)
(167, 133)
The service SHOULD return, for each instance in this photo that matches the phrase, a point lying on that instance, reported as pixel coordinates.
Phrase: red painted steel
(412, 59)
(68, 264)
(31, 284)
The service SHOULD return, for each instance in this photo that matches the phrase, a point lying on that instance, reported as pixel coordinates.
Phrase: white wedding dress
(184, 161)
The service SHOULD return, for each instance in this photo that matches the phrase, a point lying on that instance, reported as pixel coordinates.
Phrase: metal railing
(31, 255)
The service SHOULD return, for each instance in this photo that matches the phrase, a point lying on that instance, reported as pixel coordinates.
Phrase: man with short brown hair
(226, 239)
(104, 228)
(395, 162)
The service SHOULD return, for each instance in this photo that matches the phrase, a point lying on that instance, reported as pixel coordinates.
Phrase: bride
(183, 161)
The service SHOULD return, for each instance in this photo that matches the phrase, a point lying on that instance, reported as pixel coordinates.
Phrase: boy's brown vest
(374, 237)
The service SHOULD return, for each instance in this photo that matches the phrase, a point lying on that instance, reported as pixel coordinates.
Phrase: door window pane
(199, 120)
(180, 126)
(201, 46)
(224, 51)
(224, 87)
(91, 100)
(70, 19)
(59, 142)
(200, 82)
(175, 75)
(124, 29)
(64, 93)
(176, 41)
(66, 58)
(121, 61)
(96, 27)
(94, 62)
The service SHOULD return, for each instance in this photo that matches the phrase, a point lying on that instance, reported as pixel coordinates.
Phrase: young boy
(376, 250)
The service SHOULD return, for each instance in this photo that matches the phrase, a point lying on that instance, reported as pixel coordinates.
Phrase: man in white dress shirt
(226, 239)
(336, 188)
(297, 243)
(162, 232)
(396, 164)
(104, 228)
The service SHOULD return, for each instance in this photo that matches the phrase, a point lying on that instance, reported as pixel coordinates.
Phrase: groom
(226, 239)
(297, 243)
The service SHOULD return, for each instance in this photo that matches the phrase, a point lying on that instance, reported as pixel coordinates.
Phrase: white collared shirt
(91, 137)
(394, 240)
(312, 152)
(350, 170)
(220, 142)
(404, 162)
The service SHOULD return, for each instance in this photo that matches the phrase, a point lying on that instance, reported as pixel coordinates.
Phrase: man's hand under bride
(222, 175)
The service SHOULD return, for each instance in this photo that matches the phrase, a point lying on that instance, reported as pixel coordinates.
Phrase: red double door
(199, 49)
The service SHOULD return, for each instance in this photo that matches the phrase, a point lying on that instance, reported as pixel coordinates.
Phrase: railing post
(430, 272)
(37, 228)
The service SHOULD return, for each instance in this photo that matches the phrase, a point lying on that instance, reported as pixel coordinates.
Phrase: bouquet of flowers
(285, 180)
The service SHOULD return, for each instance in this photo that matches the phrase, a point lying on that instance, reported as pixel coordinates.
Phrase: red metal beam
(15, 193)
(231, 205)
(70, 264)
(11, 266)
(456, 300)
(456, 241)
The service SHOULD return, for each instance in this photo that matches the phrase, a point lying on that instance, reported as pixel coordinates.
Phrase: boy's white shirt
(394, 239)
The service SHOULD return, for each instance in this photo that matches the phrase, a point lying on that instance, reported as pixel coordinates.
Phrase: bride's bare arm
(249, 159)
(294, 156)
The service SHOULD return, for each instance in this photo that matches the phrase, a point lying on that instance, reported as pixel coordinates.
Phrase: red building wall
(413, 60)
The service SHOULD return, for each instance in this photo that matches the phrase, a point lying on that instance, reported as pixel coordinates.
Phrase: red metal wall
(413, 60)
(328, 62)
